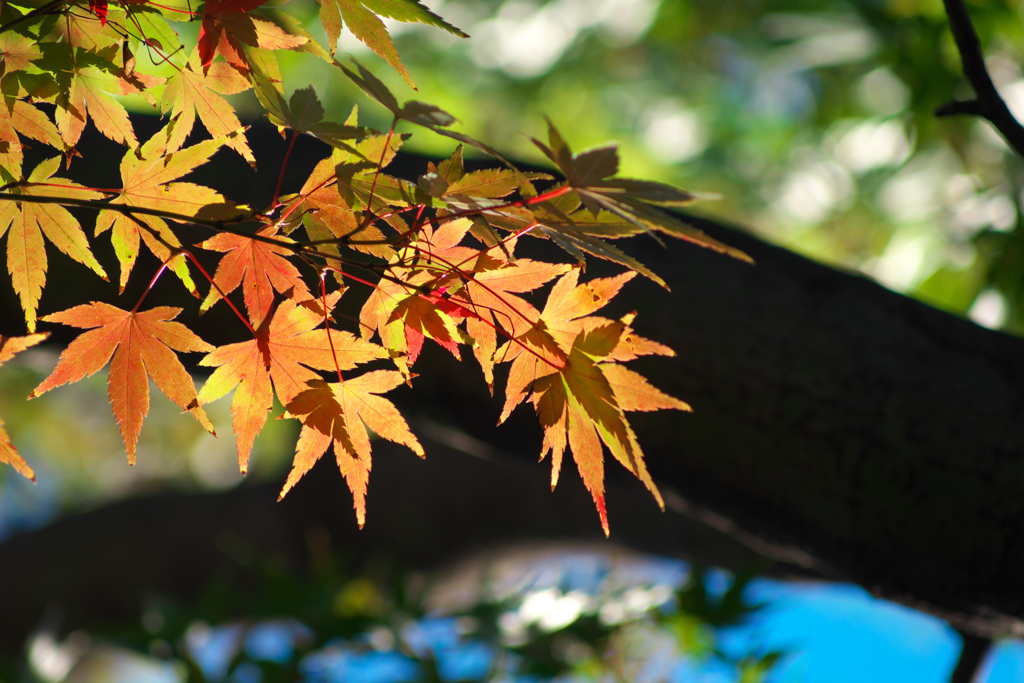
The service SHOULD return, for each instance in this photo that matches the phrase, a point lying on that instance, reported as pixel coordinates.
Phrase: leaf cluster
(438, 253)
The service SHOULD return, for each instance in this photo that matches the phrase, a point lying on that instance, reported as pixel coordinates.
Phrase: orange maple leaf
(327, 215)
(490, 285)
(567, 365)
(451, 282)
(340, 414)
(8, 453)
(279, 360)
(263, 267)
(139, 346)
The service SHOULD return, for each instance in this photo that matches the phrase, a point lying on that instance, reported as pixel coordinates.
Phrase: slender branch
(972, 656)
(988, 104)
(126, 209)
(39, 11)
(223, 296)
(152, 282)
(969, 107)
(284, 165)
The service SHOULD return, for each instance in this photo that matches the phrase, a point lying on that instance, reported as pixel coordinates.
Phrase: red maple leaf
(99, 8)
(227, 27)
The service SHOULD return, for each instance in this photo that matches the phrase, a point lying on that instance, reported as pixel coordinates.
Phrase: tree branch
(972, 656)
(989, 105)
(220, 225)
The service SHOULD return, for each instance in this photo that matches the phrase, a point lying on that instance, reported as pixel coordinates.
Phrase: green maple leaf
(361, 17)
(303, 113)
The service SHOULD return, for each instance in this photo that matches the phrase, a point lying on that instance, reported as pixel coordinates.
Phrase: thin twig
(218, 225)
(972, 656)
(989, 105)
(125, 209)
(39, 11)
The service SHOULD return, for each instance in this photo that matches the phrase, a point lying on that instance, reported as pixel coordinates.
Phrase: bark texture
(882, 435)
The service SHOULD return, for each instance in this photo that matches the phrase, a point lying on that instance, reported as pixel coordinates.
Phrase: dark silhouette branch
(972, 656)
(988, 103)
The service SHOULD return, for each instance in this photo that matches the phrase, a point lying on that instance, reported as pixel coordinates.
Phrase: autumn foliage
(439, 253)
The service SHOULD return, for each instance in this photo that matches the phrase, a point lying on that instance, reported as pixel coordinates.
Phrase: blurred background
(814, 123)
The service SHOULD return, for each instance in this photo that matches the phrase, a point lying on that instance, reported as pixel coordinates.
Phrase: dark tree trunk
(838, 428)
(881, 435)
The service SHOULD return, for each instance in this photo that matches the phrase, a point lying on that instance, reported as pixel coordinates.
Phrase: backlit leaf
(190, 92)
(8, 453)
(139, 346)
(26, 224)
(259, 266)
(566, 365)
(149, 180)
(343, 415)
(281, 359)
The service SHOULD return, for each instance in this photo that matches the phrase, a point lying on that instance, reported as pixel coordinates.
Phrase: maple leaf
(190, 92)
(404, 308)
(86, 30)
(92, 78)
(340, 414)
(17, 52)
(279, 360)
(304, 113)
(591, 175)
(138, 346)
(332, 196)
(261, 266)
(490, 282)
(327, 216)
(152, 27)
(148, 176)
(25, 225)
(20, 117)
(8, 453)
(360, 16)
(227, 26)
(99, 8)
(567, 364)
